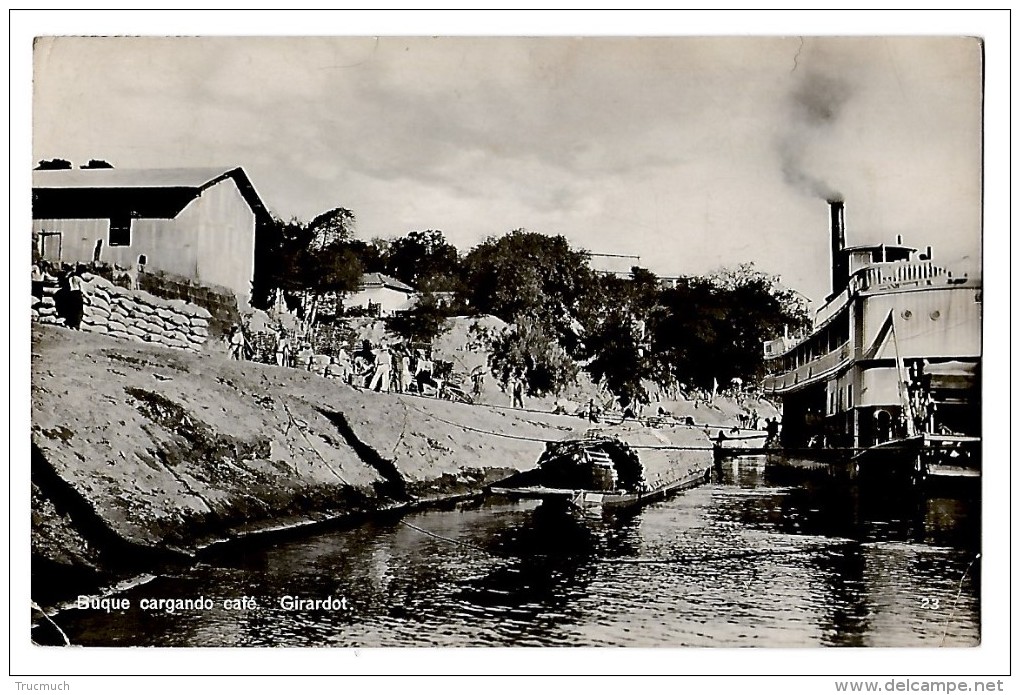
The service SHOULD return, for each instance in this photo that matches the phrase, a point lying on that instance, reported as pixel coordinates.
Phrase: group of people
(393, 368)
(382, 367)
(749, 420)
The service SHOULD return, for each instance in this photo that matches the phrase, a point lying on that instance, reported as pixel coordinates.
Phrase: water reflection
(748, 560)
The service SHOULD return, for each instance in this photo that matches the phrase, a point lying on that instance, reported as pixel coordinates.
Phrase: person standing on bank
(517, 390)
(282, 348)
(404, 370)
(75, 300)
(237, 343)
(383, 362)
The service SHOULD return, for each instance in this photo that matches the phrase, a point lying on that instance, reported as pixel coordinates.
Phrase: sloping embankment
(142, 452)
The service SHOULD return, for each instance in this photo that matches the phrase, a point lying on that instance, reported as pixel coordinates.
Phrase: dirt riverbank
(144, 454)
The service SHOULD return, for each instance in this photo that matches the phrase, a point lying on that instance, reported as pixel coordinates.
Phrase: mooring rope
(541, 440)
(67, 641)
(952, 613)
(481, 431)
(452, 541)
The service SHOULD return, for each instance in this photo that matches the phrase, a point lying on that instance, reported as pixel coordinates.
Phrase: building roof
(377, 280)
(63, 193)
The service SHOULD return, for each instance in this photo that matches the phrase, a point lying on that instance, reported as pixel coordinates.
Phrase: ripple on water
(722, 565)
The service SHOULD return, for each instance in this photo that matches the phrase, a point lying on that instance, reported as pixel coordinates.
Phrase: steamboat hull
(923, 459)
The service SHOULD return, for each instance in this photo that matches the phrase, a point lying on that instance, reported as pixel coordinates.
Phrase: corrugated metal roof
(381, 280)
(57, 185)
(127, 178)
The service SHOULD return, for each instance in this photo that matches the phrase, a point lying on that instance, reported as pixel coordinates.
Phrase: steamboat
(887, 381)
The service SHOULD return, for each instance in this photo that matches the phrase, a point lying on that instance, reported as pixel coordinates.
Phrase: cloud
(682, 150)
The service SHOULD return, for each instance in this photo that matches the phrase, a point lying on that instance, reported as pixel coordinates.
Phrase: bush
(527, 348)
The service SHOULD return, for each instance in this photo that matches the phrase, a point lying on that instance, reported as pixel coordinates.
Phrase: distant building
(616, 264)
(377, 290)
(198, 223)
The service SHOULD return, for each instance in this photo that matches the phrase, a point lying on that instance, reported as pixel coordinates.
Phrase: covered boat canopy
(951, 375)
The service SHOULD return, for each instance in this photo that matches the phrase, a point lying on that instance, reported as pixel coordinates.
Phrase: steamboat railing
(901, 274)
(820, 366)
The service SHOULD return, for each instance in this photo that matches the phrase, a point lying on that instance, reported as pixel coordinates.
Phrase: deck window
(120, 230)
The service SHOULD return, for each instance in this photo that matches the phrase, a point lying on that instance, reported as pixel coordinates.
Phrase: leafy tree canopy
(528, 349)
(424, 256)
(425, 322)
(528, 274)
(333, 226)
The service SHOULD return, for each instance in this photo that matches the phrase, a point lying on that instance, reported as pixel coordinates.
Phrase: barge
(615, 468)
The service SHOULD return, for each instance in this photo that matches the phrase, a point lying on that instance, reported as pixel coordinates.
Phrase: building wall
(77, 239)
(390, 299)
(164, 246)
(225, 228)
(212, 241)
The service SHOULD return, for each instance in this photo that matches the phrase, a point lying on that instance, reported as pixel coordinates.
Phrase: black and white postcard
(365, 341)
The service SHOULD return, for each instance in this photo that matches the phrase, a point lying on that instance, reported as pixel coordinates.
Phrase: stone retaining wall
(131, 315)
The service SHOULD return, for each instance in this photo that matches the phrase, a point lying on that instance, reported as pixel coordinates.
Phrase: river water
(755, 558)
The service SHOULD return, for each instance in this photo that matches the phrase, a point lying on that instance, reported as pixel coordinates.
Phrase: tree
(714, 327)
(332, 226)
(289, 259)
(616, 319)
(52, 164)
(685, 334)
(424, 257)
(759, 308)
(528, 348)
(528, 274)
(369, 254)
(424, 322)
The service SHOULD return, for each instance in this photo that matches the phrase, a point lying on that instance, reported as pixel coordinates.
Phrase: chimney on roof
(837, 232)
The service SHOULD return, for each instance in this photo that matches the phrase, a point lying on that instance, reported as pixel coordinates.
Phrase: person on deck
(772, 431)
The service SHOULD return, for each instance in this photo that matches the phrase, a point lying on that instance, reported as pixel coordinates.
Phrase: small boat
(616, 467)
(739, 442)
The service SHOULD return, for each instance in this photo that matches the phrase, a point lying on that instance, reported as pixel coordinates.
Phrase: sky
(692, 153)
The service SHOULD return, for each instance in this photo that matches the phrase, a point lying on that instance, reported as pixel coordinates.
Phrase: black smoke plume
(815, 107)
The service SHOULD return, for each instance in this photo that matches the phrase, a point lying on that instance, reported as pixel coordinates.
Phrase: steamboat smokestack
(837, 231)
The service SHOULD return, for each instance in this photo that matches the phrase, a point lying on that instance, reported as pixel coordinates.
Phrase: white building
(377, 290)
